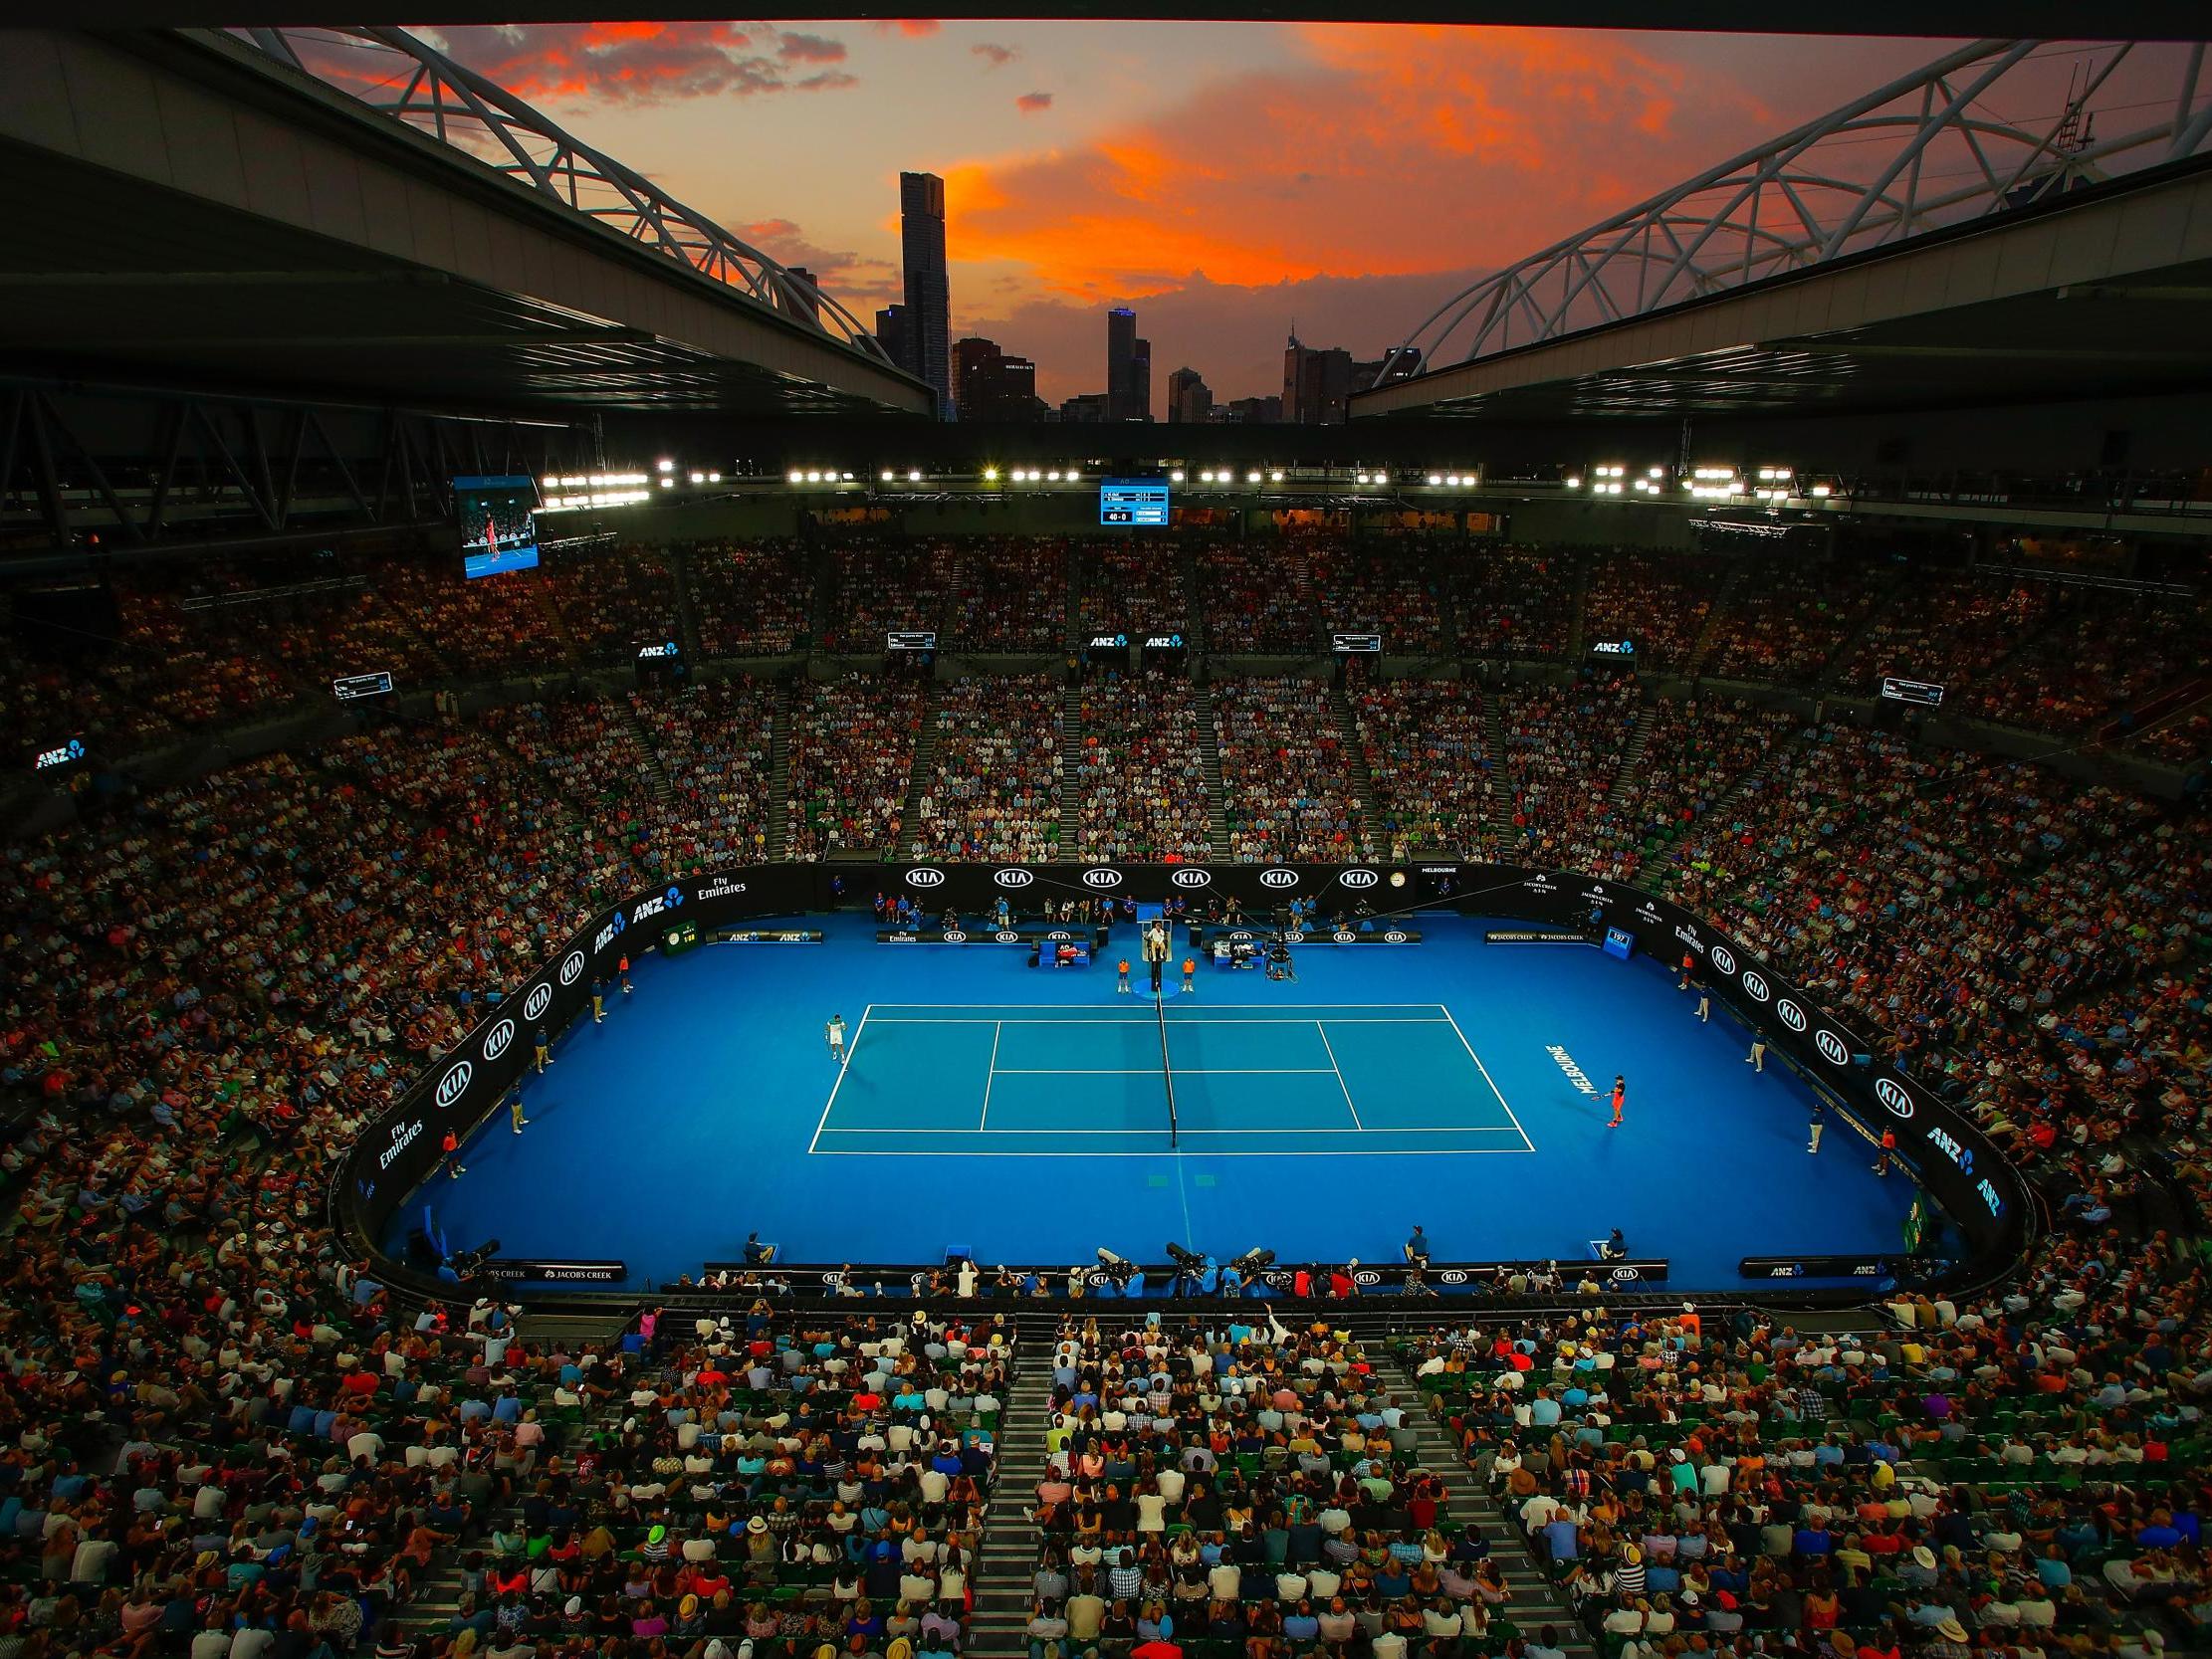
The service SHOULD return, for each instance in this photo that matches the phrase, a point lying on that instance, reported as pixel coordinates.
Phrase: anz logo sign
(673, 898)
(496, 1043)
(1947, 1143)
(1792, 1015)
(1188, 877)
(1015, 877)
(1831, 1048)
(925, 875)
(1279, 877)
(454, 1084)
(1102, 878)
(1890, 1093)
(1755, 985)
(571, 967)
(538, 1000)
(1724, 958)
(1360, 878)
(606, 935)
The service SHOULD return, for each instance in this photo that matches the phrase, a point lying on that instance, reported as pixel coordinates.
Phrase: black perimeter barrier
(1959, 1167)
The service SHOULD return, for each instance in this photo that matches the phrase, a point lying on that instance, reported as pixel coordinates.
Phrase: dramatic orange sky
(1225, 179)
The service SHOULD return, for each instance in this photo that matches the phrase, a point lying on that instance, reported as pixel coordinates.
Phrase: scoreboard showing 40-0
(1133, 502)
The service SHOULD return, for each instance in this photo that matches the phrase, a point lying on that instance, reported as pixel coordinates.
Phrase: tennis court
(1249, 1080)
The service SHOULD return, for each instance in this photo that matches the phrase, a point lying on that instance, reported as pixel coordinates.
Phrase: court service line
(1153, 1071)
(1110, 1022)
(1329, 1050)
(1487, 1078)
(1272, 1129)
(990, 1075)
(851, 1049)
(1363, 1151)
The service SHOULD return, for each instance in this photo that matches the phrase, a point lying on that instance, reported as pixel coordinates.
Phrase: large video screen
(1127, 503)
(499, 524)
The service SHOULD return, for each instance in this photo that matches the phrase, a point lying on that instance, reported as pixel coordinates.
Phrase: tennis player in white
(835, 1032)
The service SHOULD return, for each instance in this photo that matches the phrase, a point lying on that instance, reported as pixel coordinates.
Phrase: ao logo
(571, 967)
(1344, 935)
(1394, 937)
(1102, 878)
(1724, 958)
(1279, 877)
(926, 876)
(1007, 936)
(538, 1000)
(1792, 1015)
(455, 1084)
(1755, 985)
(1015, 877)
(1890, 1094)
(1188, 877)
(1831, 1047)
(1359, 878)
(953, 935)
(496, 1043)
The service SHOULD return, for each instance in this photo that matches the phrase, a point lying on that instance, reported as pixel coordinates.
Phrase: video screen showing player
(498, 525)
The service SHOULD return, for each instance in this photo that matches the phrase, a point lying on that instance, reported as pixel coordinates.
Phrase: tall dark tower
(929, 306)
(1128, 394)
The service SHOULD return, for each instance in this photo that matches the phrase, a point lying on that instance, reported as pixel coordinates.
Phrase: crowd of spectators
(1656, 600)
(1787, 618)
(1285, 772)
(1948, 628)
(883, 589)
(486, 626)
(188, 663)
(1141, 779)
(2097, 656)
(1518, 602)
(1133, 588)
(1562, 759)
(1257, 599)
(1402, 593)
(711, 739)
(1009, 594)
(749, 599)
(612, 601)
(852, 748)
(1428, 760)
(993, 786)
(1696, 752)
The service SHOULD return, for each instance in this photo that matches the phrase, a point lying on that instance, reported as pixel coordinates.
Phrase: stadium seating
(994, 786)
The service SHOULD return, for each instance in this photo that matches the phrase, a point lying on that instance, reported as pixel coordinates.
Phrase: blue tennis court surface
(1022, 1112)
(1250, 1080)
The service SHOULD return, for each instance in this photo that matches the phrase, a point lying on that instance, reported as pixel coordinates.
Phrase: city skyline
(1223, 179)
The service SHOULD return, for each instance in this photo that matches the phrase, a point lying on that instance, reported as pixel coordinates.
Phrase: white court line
(1153, 1071)
(1270, 1129)
(1277, 1008)
(851, 1049)
(1362, 1151)
(1364, 1019)
(1487, 1078)
(1340, 1083)
(991, 1076)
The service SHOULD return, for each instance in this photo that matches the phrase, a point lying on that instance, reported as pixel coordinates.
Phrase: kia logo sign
(1360, 878)
(1187, 877)
(1724, 958)
(1279, 877)
(1831, 1047)
(496, 1043)
(1756, 986)
(1102, 878)
(1393, 938)
(955, 936)
(1792, 1015)
(1015, 877)
(455, 1084)
(1366, 1276)
(1345, 937)
(1003, 936)
(538, 1000)
(925, 877)
(1626, 1275)
(1452, 1276)
(1890, 1093)
(571, 967)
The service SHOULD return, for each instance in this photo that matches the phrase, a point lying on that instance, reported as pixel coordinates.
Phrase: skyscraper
(801, 304)
(891, 334)
(1189, 399)
(988, 386)
(1315, 383)
(929, 306)
(1128, 368)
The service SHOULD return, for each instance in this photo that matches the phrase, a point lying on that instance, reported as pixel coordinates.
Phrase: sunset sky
(1225, 179)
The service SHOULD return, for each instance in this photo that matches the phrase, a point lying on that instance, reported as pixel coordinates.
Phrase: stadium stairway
(1575, 643)
(1071, 768)
(1355, 769)
(779, 772)
(1653, 871)
(656, 772)
(687, 621)
(1630, 763)
(1006, 1560)
(918, 770)
(1531, 1602)
(1216, 788)
(1493, 748)
(1708, 632)
(1847, 649)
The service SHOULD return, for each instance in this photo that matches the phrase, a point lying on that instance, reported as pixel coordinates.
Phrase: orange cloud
(1031, 104)
(911, 27)
(642, 63)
